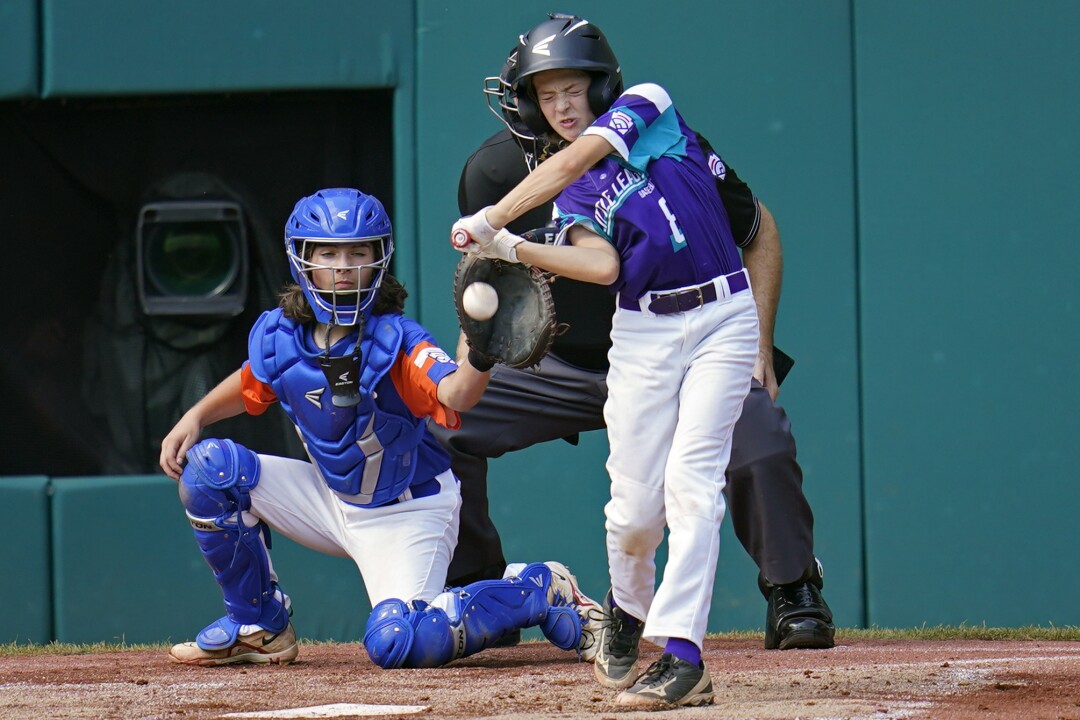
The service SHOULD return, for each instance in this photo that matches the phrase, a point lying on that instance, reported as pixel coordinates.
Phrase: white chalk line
(334, 710)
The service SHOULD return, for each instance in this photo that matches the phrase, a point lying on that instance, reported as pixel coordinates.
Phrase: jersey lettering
(626, 181)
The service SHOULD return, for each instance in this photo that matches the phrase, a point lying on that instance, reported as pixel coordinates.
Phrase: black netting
(89, 383)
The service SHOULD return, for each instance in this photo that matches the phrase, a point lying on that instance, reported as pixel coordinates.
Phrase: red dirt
(950, 680)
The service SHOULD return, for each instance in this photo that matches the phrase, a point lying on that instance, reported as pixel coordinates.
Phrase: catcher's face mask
(340, 279)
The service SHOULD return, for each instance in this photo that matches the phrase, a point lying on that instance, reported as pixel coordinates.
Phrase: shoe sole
(613, 682)
(811, 640)
(283, 657)
(636, 701)
(693, 699)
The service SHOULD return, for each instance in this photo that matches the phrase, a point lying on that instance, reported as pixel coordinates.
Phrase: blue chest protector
(367, 454)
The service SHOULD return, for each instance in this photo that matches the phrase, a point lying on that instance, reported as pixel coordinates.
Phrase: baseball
(480, 301)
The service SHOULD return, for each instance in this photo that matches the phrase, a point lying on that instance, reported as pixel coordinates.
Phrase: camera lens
(192, 259)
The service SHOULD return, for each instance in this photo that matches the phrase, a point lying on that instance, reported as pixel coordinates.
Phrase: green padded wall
(919, 160)
(19, 39)
(968, 142)
(128, 46)
(126, 568)
(770, 84)
(25, 595)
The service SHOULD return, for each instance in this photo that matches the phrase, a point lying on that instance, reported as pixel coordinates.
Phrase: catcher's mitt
(521, 331)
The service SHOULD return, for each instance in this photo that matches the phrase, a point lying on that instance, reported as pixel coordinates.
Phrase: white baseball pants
(402, 550)
(676, 387)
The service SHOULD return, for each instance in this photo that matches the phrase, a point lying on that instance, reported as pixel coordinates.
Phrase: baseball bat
(459, 238)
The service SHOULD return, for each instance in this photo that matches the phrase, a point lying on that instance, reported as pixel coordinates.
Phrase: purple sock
(631, 621)
(684, 649)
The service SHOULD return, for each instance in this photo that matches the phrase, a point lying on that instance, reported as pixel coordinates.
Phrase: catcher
(359, 380)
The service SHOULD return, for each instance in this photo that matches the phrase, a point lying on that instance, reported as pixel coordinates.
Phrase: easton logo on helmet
(541, 48)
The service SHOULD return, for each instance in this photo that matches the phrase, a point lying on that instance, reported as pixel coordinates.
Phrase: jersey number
(678, 240)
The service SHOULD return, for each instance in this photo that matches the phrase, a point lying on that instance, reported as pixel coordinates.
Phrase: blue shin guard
(214, 489)
(562, 626)
(463, 621)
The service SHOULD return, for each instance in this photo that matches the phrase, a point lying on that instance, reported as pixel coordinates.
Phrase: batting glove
(472, 230)
(502, 247)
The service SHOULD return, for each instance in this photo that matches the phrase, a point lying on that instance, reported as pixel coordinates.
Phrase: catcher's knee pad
(217, 478)
(419, 636)
(214, 489)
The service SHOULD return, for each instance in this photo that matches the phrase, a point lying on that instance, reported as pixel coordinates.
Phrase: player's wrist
(495, 219)
(480, 361)
(506, 245)
(484, 227)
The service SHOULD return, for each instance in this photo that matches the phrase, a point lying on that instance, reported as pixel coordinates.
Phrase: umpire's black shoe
(670, 681)
(798, 616)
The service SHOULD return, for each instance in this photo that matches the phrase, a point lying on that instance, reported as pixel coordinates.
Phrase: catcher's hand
(521, 331)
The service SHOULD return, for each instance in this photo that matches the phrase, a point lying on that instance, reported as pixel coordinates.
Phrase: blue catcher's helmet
(344, 216)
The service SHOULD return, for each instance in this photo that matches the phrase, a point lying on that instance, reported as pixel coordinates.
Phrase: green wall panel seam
(857, 279)
(51, 567)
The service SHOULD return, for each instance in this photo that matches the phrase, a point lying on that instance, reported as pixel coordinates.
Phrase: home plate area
(336, 710)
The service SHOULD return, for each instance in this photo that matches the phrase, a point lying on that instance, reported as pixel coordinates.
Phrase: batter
(638, 211)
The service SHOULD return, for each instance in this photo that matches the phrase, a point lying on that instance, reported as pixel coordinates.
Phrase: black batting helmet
(565, 42)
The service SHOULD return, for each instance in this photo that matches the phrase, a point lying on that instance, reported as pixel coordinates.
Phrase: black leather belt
(674, 302)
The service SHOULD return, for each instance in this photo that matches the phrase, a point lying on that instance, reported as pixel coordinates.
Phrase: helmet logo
(343, 214)
(541, 48)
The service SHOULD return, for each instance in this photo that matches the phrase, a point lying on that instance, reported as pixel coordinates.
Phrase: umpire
(565, 396)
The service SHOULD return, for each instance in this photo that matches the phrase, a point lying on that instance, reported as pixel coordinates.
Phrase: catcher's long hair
(390, 301)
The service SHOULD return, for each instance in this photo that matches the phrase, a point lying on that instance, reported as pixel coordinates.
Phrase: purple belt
(665, 303)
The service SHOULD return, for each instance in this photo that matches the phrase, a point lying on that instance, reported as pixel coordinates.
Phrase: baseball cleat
(261, 646)
(670, 681)
(564, 590)
(617, 647)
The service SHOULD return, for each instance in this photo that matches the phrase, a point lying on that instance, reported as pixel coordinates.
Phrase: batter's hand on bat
(175, 445)
(471, 232)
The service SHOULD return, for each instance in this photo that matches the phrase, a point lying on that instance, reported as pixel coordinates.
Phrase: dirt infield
(858, 679)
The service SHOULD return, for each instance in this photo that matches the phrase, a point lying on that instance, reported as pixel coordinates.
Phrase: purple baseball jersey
(655, 199)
